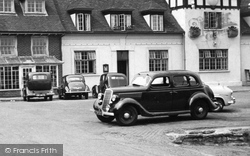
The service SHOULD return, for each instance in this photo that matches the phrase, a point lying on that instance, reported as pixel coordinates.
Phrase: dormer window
(7, 6)
(120, 21)
(34, 7)
(81, 21)
(155, 21)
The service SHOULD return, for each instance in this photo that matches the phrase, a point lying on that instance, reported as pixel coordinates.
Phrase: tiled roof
(99, 23)
(19, 23)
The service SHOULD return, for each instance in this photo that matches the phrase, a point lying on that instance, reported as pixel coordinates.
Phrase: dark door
(158, 98)
(184, 87)
(122, 62)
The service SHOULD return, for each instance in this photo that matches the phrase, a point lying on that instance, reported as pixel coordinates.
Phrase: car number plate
(41, 95)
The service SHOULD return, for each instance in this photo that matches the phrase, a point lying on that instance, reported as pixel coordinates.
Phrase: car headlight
(100, 96)
(114, 98)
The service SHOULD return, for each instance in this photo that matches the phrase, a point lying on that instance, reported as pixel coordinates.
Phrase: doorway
(122, 62)
(24, 71)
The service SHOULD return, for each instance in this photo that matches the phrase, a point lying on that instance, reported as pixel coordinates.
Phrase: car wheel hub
(126, 115)
(200, 110)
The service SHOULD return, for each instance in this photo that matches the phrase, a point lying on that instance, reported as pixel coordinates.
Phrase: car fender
(127, 101)
(201, 95)
(220, 97)
(87, 88)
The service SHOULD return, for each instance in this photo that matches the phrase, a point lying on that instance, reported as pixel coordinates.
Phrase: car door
(158, 97)
(184, 86)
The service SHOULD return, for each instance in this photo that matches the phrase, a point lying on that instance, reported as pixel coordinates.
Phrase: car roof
(168, 72)
(73, 75)
(113, 73)
(38, 73)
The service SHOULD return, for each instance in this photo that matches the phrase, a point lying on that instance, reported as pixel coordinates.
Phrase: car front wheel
(199, 109)
(105, 118)
(127, 116)
(220, 105)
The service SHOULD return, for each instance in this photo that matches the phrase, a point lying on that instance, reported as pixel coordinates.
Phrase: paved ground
(238, 135)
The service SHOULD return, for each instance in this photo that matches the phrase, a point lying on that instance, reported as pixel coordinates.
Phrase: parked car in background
(73, 85)
(223, 95)
(155, 94)
(108, 80)
(37, 84)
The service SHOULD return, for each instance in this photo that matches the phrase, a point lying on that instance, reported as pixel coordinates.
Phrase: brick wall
(24, 45)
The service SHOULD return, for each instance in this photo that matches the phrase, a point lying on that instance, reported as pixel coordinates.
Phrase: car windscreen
(74, 79)
(117, 81)
(141, 80)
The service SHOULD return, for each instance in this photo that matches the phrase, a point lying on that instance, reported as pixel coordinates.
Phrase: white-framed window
(85, 62)
(120, 21)
(49, 68)
(7, 46)
(7, 6)
(39, 46)
(213, 59)
(9, 77)
(212, 20)
(156, 23)
(83, 22)
(31, 7)
(158, 60)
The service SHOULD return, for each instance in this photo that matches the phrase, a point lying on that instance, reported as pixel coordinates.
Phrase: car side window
(180, 81)
(160, 81)
(192, 81)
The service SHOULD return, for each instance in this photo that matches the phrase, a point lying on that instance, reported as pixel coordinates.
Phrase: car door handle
(173, 92)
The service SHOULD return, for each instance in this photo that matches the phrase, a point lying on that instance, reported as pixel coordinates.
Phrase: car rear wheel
(220, 105)
(199, 110)
(105, 118)
(127, 116)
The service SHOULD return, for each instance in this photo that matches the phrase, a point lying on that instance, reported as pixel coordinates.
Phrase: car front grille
(106, 98)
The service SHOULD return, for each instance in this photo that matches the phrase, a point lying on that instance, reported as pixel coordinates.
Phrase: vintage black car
(109, 80)
(73, 85)
(156, 94)
(37, 84)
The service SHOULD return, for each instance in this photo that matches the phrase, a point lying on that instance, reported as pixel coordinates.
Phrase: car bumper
(40, 95)
(76, 92)
(98, 110)
(232, 101)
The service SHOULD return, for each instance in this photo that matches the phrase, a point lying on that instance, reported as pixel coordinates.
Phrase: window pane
(212, 20)
(158, 60)
(39, 45)
(7, 46)
(9, 77)
(85, 62)
(213, 60)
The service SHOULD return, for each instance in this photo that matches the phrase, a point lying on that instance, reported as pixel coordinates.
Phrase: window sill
(8, 13)
(214, 71)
